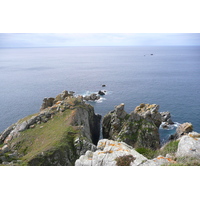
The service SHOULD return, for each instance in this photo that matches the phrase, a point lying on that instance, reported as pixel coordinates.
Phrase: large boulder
(138, 129)
(189, 145)
(107, 152)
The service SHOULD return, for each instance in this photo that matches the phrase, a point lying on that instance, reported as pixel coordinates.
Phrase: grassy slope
(44, 137)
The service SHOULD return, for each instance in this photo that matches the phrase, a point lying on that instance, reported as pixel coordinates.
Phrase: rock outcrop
(108, 151)
(138, 129)
(166, 119)
(182, 129)
(92, 97)
(57, 135)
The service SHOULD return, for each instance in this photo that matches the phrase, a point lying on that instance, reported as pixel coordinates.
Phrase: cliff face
(138, 129)
(57, 135)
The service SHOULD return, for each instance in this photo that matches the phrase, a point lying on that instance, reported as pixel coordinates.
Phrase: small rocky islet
(66, 132)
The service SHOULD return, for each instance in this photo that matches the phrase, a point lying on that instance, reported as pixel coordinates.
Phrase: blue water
(169, 77)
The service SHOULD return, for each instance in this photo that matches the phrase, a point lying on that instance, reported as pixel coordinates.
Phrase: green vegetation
(45, 137)
(169, 148)
(124, 160)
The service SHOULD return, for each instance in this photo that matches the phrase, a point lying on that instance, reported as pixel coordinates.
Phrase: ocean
(170, 78)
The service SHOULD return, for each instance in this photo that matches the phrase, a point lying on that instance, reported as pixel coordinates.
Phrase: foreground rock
(189, 145)
(109, 151)
(138, 129)
(57, 135)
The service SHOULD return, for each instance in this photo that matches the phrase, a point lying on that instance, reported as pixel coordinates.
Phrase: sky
(8, 40)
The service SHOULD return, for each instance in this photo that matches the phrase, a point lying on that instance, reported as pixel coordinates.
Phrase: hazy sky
(97, 39)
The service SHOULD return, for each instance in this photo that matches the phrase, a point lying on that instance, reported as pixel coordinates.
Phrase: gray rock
(5, 149)
(5, 133)
(92, 97)
(138, 129)
(182, 129)
(107, 152)
(189, 145)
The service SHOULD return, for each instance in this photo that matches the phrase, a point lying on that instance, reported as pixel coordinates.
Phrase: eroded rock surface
(138, 129)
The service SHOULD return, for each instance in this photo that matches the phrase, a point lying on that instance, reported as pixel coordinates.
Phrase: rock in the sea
(138, 129)
(166, 118)
(182, 129)
(101, 92)
(92, 97)
(189, 145)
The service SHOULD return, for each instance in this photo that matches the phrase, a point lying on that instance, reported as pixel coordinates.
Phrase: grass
(44, 137)
(169, 148)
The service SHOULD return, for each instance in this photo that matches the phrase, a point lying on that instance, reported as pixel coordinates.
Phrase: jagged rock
(103, 85)
(47, 102)
(189, 145)
(138, 129)
(5, 133)
(63, 95)
(107, 152)
(166, 119)
(92, 97)
(182, 129)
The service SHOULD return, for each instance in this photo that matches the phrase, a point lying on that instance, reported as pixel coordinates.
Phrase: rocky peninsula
(66, 132)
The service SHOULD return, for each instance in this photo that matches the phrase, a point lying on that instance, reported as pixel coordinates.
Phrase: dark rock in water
(103, 85)
(91, 97)
(151, 54)
(101, 92)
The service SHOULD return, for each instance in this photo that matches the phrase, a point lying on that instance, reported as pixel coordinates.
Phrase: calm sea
(170, 77)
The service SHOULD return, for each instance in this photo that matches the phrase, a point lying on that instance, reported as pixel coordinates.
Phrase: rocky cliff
(138, 129)
(65, 128)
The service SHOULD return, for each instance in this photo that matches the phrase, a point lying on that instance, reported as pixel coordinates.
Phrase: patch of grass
(169, 148)
(44, 137)
(124, 160)
(148, 153)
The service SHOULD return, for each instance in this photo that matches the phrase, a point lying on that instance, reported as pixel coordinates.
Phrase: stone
(5, 149)
(182, 129)
(6, 132)
(106, 153)
(166, 117)
(47, 102)
(101, 92)
(138, 129)
(189, 145)
(92, 97)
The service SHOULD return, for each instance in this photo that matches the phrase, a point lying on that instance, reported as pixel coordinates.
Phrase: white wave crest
(170, 126)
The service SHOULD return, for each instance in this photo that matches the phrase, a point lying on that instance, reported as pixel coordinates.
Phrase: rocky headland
(66, 132)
